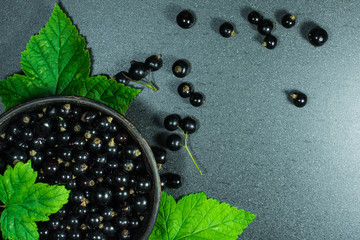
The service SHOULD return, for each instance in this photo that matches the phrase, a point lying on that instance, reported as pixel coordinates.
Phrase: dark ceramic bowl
(150, 164)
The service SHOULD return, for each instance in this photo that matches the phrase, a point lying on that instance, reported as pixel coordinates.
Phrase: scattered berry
(154, 62)
(270, 42)
(122, 77)
(185, 89)
(185, 19)
(173, 142)
(173, 180)
(255, 17)
(172, 122)
(181, 68)
(188, 125)
(137, 70)
(299, 99)
(197, 99)
(265, 26)
(227, 30)
(288, 21)
(318, 36)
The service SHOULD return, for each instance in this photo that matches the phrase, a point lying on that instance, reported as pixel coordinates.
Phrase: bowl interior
(150, 164)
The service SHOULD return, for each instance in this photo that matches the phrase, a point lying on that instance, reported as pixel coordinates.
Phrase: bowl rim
(119, 117)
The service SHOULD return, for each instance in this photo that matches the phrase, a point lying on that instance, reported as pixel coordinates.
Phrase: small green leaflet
(55, 62)
(197, 217)
(26, 202)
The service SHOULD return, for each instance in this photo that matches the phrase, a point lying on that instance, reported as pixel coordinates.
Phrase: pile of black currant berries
(140, 72)
(94, 157)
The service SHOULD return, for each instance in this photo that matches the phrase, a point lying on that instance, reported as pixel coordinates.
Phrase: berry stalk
(187, 149)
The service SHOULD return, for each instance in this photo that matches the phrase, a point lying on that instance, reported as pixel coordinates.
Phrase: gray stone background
(297, 169)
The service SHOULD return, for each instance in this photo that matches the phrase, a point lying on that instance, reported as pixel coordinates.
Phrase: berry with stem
(227, 30)
(154, 62)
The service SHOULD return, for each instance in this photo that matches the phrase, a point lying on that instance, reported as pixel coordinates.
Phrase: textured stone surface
(297, 169)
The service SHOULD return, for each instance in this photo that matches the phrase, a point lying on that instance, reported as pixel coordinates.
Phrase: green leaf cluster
(26, 202)
(55, 62)
(197, 217)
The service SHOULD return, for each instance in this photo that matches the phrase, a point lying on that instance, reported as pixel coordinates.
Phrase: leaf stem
(144, 83)
(188, 150)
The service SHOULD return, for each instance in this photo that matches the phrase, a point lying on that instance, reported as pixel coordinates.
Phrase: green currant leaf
(108, 91)
(197, 217)
(26, 201)
(14, 228)
(56, 56)
(19, 88)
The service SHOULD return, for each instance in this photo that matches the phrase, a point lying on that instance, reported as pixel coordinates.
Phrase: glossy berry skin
(59, 235)
(102, 195)
(173, 142)
(265, 26)
(288, 21)
(44, 232)
(93, 220)
(122, 77)
(255, 17)
(299, 99)
(137, 70)
(270, 42)
(173, 180)
(43, 127)
(154, 62)
(50, 167)
(141, 203)
(108, 213)
(159, 154)
(96, 235)
(134, 223)
(109, 229)
(227, 30)
(318, 36)
(172, 122)
(75, 234)
(131, 152)
(122, 222)
(197, 99)
(185, 19)
(188, 125)
(143, 185)
(181, 68)
(185, 89)
(122, 194)
(120, 179)
(16, 154)
(37, 159)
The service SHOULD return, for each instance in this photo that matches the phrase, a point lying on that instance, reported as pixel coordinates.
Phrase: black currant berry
(102, 195)
(81, 156)
(86, 182)
(89, 116)
(64, 138)
(141, 203)
(123, 235)
(288, 20)
(65, 110)
(59, 235)
(27, 134)
(104, 123)
(100, 159)
(108, 229)
(122, 137)
(79, 169)
(163, 181)
(197, 99)
(137, 70)
(122, 77)
(37, 158)
(120, 178)
(65, 153)
(25, 119)
(122, 222)
(227, 30)
(51, 112)
(185, 19)
(96, 235)
(93, 220)
(181, 68)
(111, 149)
(44, 232)
(108, 213)
(154, 62)
(75, 234)
(37, 143)
(81, 211)
(128, 166)
(270, 42)
(172, 122)
(95, 144)
(131, 152)
(122, 194)
(50, 167)
(318, 36)
(134, 222)
(173, 142)
(188, 125)
(159, 154)
(185, 89)
(43, 127)
(143, 185)
(173, 180)
(65, 175)
(265, 26)
(299, 99)
(254, 17)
